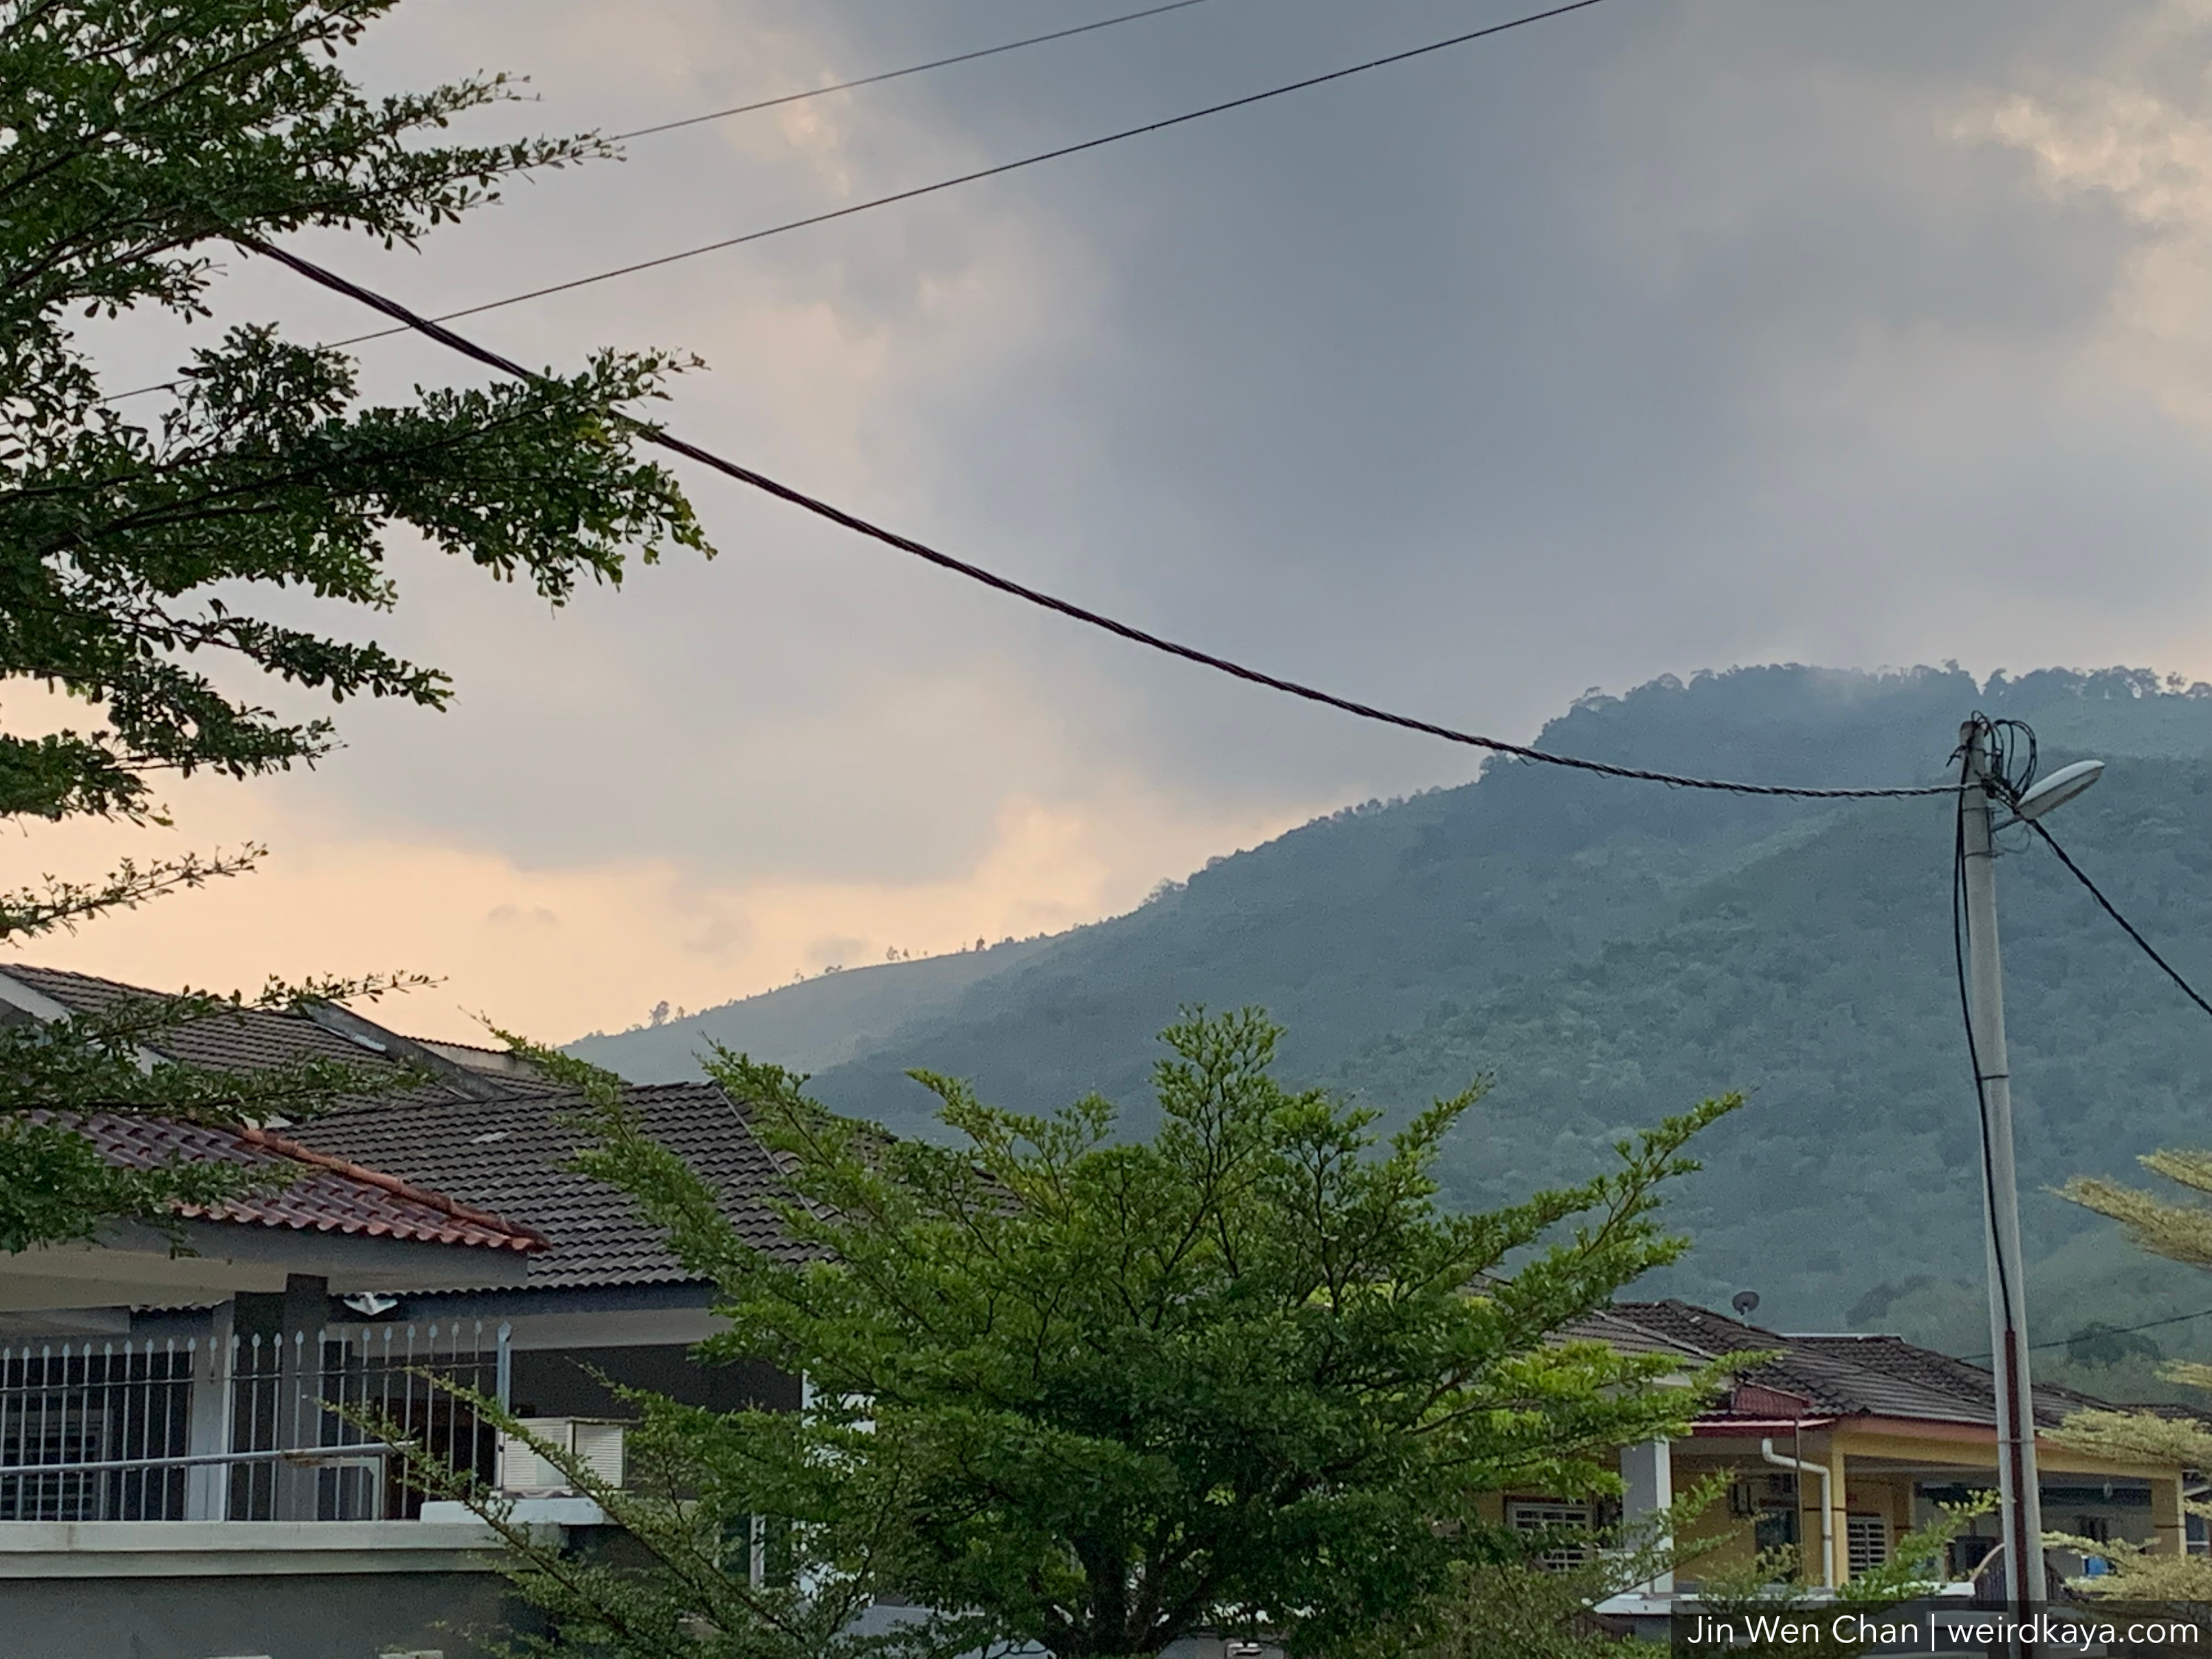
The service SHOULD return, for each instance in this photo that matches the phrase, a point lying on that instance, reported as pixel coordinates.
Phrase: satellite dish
(1746, 1304)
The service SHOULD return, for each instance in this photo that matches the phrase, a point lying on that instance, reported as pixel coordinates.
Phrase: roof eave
(133, 1264)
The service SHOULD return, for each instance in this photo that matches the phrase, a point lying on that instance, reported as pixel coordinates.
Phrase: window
(1867, 1539)
(1775, 1528)
(1533, 1516)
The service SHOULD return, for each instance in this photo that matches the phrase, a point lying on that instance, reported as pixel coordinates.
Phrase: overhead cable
(847, 211)
(649, 434)
(2093, 1333)
(1042, 157)
(2113, 910)
(899, 73)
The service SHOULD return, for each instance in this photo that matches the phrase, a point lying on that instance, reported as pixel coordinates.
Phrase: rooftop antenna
(1746, 1304)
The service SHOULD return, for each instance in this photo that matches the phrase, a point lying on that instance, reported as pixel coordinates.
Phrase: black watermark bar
(1947, 1629)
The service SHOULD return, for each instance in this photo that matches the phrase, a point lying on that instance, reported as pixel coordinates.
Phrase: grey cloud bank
(1660, 337)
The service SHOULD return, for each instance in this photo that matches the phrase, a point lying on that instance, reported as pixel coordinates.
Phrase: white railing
(253, 1428)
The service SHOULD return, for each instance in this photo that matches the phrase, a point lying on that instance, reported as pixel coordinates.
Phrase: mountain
(1609, 952)
(807, 1026)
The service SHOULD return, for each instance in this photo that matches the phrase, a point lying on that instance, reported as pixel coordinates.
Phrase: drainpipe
(1828, 1510)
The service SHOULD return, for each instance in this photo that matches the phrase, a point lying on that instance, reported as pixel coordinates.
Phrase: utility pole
(2020, 1496)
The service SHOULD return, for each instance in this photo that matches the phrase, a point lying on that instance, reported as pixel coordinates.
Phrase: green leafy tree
(141, 143)
(2180, 1232)
(1542, 1604)
(701, 1572)
(1242, 1374)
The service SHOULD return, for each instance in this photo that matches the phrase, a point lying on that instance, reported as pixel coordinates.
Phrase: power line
(2093, 1333)
(897, 74)
(994, 171)
(2112, 910)
(795, 224)
(896, 197)
(446, 337)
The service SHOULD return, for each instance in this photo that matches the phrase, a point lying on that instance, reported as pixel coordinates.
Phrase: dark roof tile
(323, 1194)
(257, 1039)
(1841, 1376)
(509, 1154)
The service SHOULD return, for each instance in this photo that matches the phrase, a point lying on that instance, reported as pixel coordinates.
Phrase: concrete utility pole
(2020, 1498)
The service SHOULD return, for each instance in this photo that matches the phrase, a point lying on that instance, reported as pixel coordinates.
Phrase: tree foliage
(142, 139)
(145, 541)
(701, 1572)
(1543, 1603)
(1243, 1372)
(2180, 1231)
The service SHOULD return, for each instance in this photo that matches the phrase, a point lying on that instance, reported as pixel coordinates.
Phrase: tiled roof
(323, 1194)
(1842, 1375)
(493, 1137)
(245, 1039)
(257, 1039)
(507, 1155)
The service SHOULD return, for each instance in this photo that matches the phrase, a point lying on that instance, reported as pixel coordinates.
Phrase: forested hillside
(1612, 952)
(817, 1022)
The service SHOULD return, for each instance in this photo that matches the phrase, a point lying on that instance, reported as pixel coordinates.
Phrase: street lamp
(2020, 1498)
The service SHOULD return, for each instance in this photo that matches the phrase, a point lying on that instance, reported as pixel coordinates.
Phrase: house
(1838, 1444)
(542, 1287)
(607, 1300)
(163, 1433)
(166, 1392)
(490, 1132)
(153, 1465)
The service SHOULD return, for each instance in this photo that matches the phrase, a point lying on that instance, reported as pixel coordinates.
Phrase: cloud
(2136, 139)
(558, 951)
(1650, 340)
(513, 916)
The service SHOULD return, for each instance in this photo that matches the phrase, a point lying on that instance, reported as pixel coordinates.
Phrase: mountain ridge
(1612, 952)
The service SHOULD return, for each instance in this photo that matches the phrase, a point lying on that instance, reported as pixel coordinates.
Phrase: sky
(1668, 334)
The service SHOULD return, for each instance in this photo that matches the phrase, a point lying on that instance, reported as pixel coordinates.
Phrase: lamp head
(2057, 789)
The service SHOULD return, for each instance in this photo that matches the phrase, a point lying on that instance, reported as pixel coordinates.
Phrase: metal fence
(298, 1426)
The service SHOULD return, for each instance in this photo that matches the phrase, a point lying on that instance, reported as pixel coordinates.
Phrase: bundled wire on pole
(2001, 750)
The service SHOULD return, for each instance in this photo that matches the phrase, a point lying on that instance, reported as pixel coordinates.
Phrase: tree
(1534, 1608)
(140, 140)
(1243, 1374)
(2180, 1232)
(702, 1572)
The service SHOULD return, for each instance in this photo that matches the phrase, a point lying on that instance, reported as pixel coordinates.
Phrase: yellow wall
(1855, 1489)
(1734, 1553)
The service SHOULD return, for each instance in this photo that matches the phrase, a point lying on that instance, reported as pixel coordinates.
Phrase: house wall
(1887, 1494)
(1719, 1540)
(355, 1616)
(2068, 1480)
(1722, 1539)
